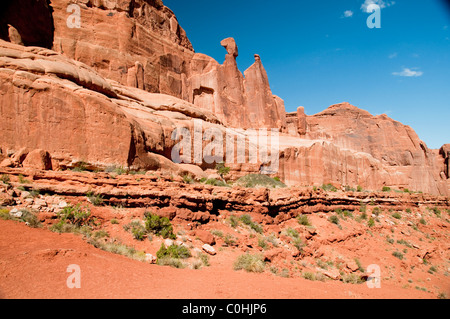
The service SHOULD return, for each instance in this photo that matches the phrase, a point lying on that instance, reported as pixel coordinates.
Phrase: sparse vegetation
(258, 180)
(80, 167)
(74, 216)
(172, 262)
(215, 182)
(436, 211)
(250, 263)
(222, 170)
(187, 179)
(351, 279)
(296, 240)
(137, 229)
(96, 200)
(229, 240)
(5, 179)
(329, 188)
(22, 180)
(117, 170)
(334, 219)
(303, 220)
(404, 242)
(397, 215)
(397, 254)
(234, 221)
(173, 251)
(371, 222)
(23, 215)
(376, 211)
(114, 246)
(159, 226)
(386, 189)
(247, 220)
(262, 243)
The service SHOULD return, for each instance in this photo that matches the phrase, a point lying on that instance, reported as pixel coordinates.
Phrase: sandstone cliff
(113, 90)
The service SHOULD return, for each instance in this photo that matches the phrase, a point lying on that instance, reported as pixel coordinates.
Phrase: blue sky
(319, 53)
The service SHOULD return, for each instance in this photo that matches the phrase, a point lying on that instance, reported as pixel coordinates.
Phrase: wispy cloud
(382, 3)
(406, 72)
(393, 55)
(348, 14)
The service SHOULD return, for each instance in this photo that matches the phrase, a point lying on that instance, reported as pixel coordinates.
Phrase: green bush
(187, 179)
(96, 200)
(386, 189)
(159, 226)
(229, 240)
(376, 211)
(397, 215)
(172, 262)
(75, 215)
(262, 243)
(359, 189)
(334, 219)
(436, 211)
(371, 222)
(309, 276)
(234, 221)
(173, 251)
(215, 182)
(222, 170)
(397, 254)
(250, 263)
(303, 220)
(247, 220)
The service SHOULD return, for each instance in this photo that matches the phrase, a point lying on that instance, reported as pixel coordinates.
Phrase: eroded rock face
(27, 22)
(240, 101)
(148, 48)
(397, 156)
(54, 103)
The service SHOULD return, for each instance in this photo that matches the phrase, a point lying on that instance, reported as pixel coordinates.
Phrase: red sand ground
(33, 264)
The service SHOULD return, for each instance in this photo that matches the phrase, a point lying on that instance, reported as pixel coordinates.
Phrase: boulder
(38, 159)
(205, 236)
(209, 249)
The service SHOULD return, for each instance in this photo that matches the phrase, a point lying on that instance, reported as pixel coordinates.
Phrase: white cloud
(348, 13)
(393, 55)
(408, 73)
(382, 3)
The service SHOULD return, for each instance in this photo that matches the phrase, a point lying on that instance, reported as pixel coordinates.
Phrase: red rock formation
(146, 33)
(93, 102)
(398, 158)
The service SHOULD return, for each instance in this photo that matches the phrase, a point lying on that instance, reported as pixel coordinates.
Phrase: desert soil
(33, 264)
